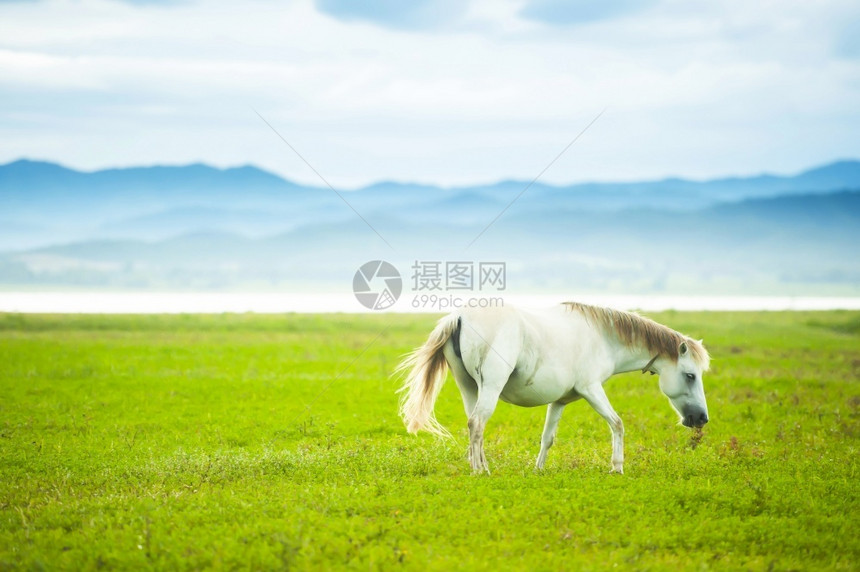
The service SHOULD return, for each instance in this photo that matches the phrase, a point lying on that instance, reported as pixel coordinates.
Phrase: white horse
(553, 357)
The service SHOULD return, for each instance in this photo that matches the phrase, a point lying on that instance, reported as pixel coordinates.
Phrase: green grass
(273, 441)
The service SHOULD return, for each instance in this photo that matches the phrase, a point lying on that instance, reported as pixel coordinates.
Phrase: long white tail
(427, 372)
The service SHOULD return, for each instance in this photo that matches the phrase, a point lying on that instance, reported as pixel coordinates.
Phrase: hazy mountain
(26, 176)
(793, 240)
(199, 227)
(146, 202)
(50, 204)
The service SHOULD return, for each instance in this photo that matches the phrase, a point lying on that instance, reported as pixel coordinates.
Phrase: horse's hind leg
(465, 382)
(553, 415)
(494, 377)
(484, 408)
(469, 392)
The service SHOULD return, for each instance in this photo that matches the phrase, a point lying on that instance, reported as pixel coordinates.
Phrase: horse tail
(427, 369)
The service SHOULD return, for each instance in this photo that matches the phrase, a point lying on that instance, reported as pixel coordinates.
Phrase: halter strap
(649, 364)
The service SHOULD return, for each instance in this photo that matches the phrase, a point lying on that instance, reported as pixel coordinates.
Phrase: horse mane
(631, 329)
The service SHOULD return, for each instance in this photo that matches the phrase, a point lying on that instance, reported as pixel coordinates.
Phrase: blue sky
(435, 91)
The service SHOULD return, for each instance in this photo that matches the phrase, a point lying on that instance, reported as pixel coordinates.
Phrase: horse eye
(691, 377)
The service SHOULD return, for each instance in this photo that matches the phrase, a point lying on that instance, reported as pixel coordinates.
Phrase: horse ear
(683, 349)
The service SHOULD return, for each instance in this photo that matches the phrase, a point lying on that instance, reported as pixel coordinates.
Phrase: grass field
(247, 441)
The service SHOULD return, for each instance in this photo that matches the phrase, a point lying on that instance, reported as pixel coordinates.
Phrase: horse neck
(629, 358)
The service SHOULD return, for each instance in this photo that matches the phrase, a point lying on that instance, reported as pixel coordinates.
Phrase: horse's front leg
(596, 397)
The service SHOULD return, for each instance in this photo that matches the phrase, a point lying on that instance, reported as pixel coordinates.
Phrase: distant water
(266, 303)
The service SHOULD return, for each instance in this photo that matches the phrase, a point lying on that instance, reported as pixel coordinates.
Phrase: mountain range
(200, 227)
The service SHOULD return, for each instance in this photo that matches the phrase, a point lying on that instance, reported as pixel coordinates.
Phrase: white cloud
(732, 87)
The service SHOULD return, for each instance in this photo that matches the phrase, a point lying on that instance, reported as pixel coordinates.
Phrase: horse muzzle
(694, 417)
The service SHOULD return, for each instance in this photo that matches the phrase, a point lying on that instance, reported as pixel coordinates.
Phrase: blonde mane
(634, 330)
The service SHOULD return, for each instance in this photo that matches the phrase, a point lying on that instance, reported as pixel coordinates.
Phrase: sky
(434, 91)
